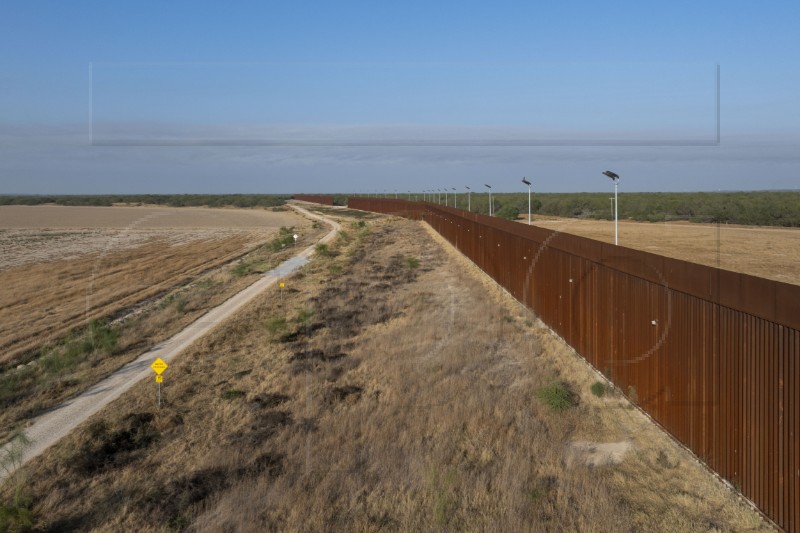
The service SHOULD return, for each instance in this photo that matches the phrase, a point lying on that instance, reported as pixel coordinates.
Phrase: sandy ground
(33, 234)
(772, 253)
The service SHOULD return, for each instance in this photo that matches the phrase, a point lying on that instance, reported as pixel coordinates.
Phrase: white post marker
(295, 239)
(158, 366)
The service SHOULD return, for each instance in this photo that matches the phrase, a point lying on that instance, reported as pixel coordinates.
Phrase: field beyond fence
(713, 356)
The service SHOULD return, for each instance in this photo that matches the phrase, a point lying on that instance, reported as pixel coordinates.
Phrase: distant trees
(764, 208)
(171, 200)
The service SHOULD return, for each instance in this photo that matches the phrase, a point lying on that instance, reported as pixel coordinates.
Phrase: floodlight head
(467, 188)
(526, 182)
(611, 175)
(488, 185)
(454, 188)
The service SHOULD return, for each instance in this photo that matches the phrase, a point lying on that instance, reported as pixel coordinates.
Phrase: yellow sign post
(281, 285)
(158, 366)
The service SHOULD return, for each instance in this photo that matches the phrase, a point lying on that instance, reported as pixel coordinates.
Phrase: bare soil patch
(55, 280)
(393, 387)
(772, 253)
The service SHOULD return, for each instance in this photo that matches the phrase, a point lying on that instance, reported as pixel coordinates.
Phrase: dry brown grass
(45, 298)
(383, 395)
(772, 253)
(62, 358)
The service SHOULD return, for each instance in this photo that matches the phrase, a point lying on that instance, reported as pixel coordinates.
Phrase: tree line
(171, 200)
(761, 208)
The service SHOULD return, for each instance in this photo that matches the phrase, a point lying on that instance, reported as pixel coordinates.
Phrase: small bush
(558, 396)
(344, 237)
(335, 269)
(322, 250)
(276, 326)
(599, 389)
(232, 394)
(241, 269)
(285, 238)
(303, 316)
(99, 340)
(412, 262)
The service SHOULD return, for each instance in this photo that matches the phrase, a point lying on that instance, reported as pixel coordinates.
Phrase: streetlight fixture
(490, 198)
(615, 178)
(528, 183)
(469, 200)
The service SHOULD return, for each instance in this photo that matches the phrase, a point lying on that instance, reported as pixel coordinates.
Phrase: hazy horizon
(281, 99)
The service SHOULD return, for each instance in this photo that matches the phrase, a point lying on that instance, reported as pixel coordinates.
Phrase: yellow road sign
(159, 366)
(282, 285)
(159, 379)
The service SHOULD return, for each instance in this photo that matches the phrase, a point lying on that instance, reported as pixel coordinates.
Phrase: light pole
(528, 183)
(455, 198)
(615, 178)
(445, 196)
(490, 198)
(612, 206)
(469, 200)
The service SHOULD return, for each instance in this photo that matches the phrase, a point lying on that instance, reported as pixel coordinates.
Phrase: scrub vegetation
(383, 396)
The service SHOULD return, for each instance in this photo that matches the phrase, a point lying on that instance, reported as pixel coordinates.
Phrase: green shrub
(303, 316)
(322, 250)
(412, 262)
(285, 238)
(558, 395)
(599, 389)
(344, 237)
(276, 326)
(241, 269)
(509, 212)
(232, 394)
(99, 339)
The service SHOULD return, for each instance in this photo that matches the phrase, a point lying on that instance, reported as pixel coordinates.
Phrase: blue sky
(172, 97)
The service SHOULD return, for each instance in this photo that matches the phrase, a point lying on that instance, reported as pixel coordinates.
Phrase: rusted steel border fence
(323, 199)
(713, 356)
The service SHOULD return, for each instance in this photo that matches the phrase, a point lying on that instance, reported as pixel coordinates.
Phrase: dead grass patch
(772, 253)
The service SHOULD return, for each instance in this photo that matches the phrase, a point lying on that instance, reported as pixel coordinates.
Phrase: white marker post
(295, 239)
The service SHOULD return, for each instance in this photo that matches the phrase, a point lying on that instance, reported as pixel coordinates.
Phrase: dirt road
(47, 429)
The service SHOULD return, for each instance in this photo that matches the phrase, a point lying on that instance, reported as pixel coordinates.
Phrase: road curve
(55, 424)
